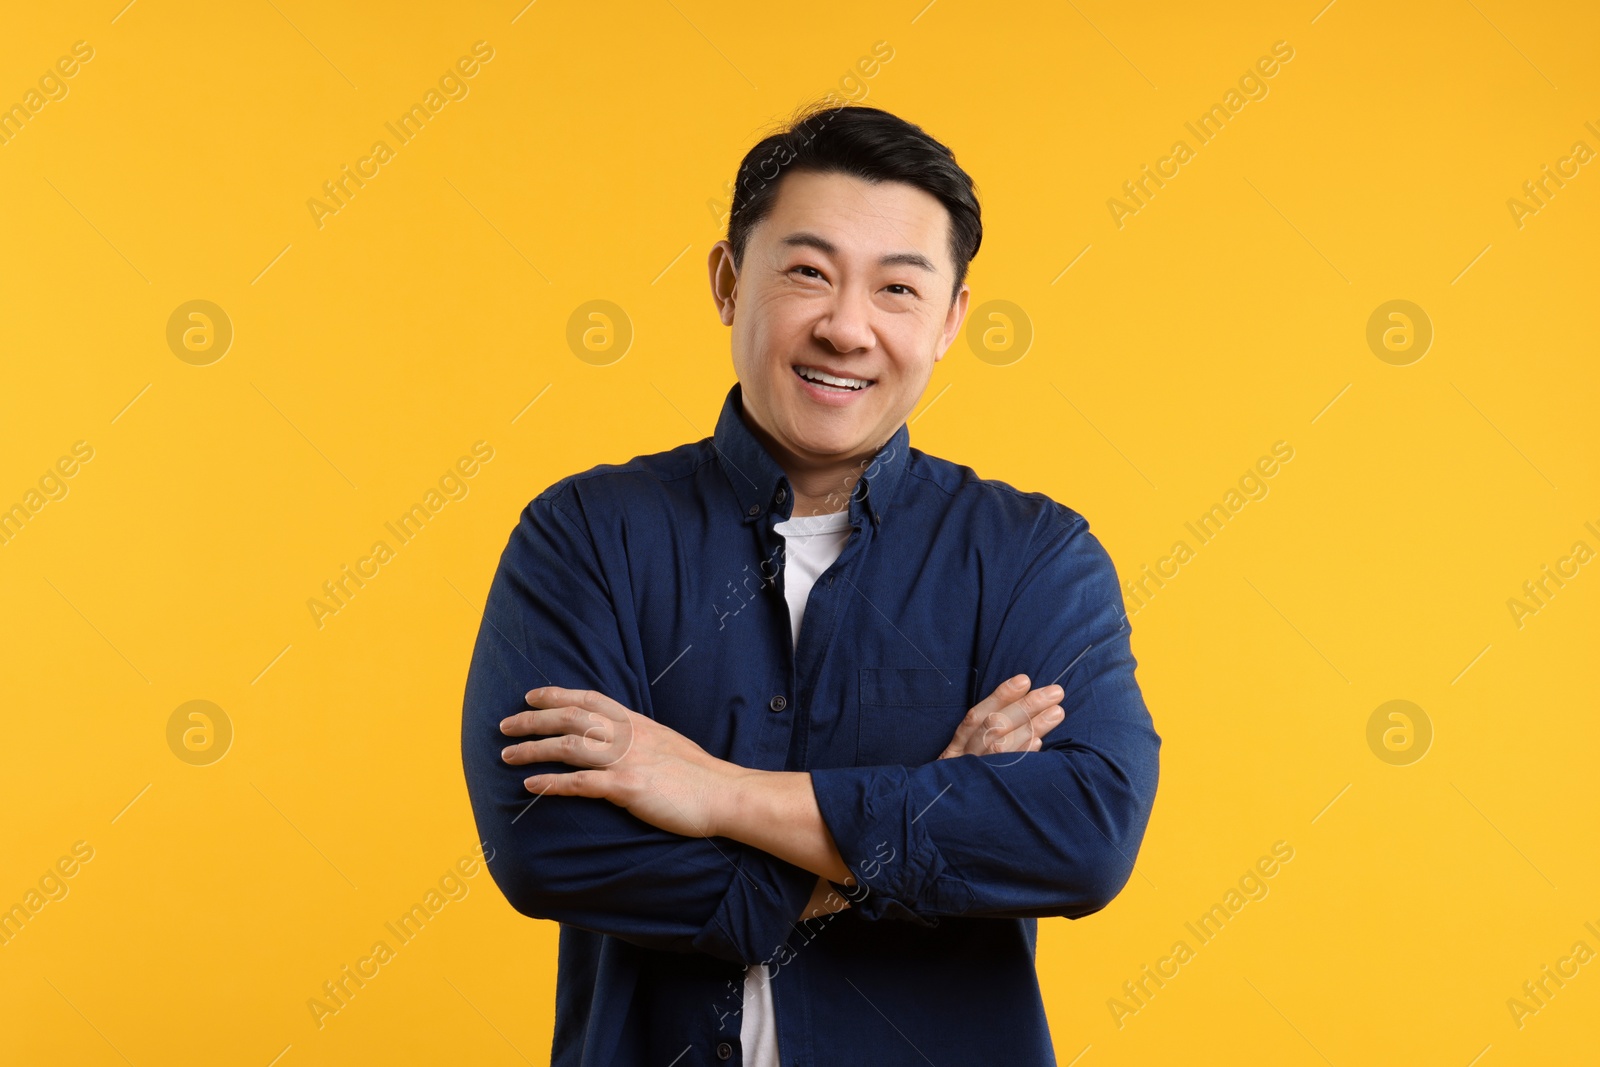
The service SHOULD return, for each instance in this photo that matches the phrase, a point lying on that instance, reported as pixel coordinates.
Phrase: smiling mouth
(823, 380)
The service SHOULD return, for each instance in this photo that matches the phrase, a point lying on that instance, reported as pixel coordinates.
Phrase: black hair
(865, 142)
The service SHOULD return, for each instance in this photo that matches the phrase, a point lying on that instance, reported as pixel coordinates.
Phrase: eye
(908, 290)
(806, 266)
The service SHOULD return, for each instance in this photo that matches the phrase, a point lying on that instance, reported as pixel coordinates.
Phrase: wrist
(736, 802)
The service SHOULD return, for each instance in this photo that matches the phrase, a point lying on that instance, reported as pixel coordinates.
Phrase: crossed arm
(670, 782)
(670, 848)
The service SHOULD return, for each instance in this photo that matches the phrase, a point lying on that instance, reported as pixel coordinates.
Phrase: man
(813, 844)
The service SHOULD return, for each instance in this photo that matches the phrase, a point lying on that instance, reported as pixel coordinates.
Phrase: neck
(821, 487)
(823, 493)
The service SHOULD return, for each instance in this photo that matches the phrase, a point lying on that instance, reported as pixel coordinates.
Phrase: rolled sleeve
(758, 908)
(1053, 832)
(875, 817)
(584, 861)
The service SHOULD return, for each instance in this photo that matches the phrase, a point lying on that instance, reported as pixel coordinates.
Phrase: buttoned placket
(792, 1004)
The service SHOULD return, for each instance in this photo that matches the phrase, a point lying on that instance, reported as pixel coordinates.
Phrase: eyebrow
(807, 239)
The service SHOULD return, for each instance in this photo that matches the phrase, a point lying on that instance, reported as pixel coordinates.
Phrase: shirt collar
(760, 484)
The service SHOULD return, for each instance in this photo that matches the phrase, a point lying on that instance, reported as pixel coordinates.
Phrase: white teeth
(811, 374)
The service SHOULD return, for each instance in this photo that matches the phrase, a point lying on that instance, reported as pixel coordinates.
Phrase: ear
(953, 320)
(724, 280)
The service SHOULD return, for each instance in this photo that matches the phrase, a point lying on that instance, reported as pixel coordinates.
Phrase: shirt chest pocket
(908, 714)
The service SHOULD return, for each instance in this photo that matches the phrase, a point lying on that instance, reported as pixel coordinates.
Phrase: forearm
(1054, 833)
(776, 811)
(825, 900)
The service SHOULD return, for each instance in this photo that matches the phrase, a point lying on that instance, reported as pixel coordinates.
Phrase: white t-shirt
(811, 544)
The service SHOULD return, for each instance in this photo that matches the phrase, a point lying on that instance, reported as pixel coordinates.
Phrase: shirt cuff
(879, 822)
(759, 910)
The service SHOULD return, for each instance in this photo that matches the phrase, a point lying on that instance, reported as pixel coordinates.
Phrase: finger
(567, 748)
(568, 784)
(1029, 737)
(558, 720)
(995, 715)
(1019, 713)
(553, 696)
(1006, 692)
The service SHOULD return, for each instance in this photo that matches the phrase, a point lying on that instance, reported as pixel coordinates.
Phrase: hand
(1011, 719)
(629, 759)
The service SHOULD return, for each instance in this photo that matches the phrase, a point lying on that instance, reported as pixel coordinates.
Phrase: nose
(846, 324)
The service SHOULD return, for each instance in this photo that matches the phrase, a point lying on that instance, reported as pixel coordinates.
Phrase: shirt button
(724, 1051)
(778, 703)
(782, 495)
(755, 509)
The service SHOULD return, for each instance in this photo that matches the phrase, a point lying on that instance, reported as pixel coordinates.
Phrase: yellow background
(586, 163)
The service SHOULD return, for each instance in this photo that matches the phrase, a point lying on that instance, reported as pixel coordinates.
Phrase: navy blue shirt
(659, 582)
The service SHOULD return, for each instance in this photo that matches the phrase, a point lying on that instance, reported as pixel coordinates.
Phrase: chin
(844, 444)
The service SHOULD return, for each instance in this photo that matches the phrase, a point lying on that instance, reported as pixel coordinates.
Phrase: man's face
(850, 279)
